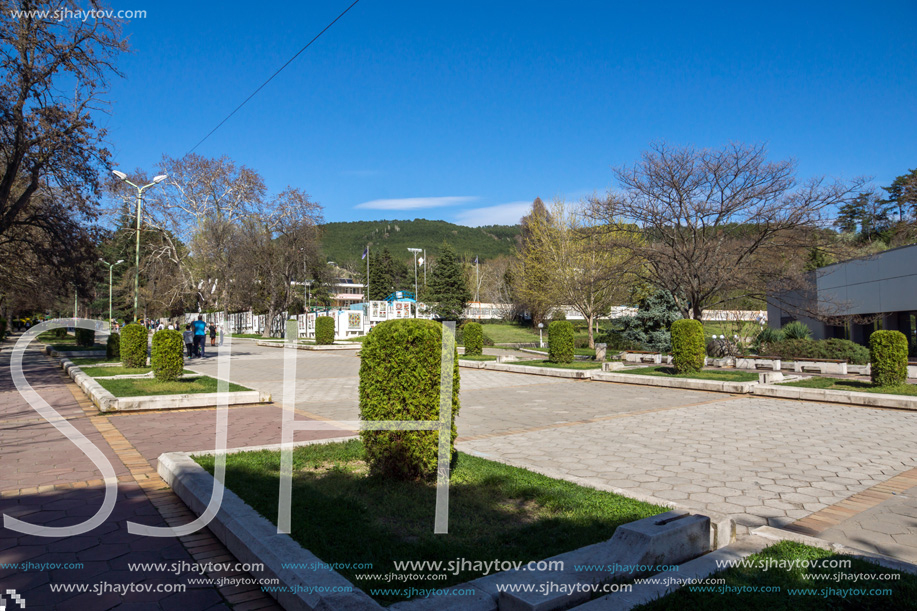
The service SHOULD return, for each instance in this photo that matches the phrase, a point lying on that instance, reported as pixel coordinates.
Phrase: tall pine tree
(447, 289)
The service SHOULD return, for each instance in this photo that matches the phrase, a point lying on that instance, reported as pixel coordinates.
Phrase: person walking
(188, 337)
(199, 327)
(213, 334)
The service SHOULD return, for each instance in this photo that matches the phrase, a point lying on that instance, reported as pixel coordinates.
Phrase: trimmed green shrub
(133, 345)
(400, 380)
(167, 355)
(474, 338)
(833, 349)
(113, 346)
(560, 342)
(324, 330)
(688, 346)
(60, 332)
(888, 355)
(85, 337)
(796, 330)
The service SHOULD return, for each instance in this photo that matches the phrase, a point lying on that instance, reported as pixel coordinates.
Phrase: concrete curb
(665, 539)
(473, 364)
(836, 396)
(686, 383)
(574, 374)
(348, 346)
(107, 402)
(74, 354)
(253, 539)
(669, 581)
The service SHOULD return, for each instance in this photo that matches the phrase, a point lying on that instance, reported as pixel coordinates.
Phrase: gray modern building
(860, 295)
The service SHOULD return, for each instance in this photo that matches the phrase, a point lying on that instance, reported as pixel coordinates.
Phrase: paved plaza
(844, 473)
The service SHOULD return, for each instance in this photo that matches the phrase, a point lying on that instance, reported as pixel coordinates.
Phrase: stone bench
(727, 361)
(639, 356)
(820, 366)
(912, 370)
(758, 362)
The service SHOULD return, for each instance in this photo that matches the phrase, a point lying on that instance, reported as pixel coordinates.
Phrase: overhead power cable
(279, 70)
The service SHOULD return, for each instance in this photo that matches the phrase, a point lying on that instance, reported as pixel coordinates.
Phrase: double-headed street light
(156, 180)
(110, 267)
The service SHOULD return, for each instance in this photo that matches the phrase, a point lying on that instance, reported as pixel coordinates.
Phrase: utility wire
(279, 70)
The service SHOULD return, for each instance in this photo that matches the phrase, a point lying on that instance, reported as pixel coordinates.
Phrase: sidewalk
(47, 480)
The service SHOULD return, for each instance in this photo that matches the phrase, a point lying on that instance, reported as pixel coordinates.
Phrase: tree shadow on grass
(496, 512)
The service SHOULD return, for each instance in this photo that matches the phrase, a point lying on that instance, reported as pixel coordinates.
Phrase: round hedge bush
(133, 346)
(400, 364)
(113, 346)
(85, 337)
(324, 330)
(888, 355)
(560, 342)
(474, 339)
(167, 355)
(688, 345)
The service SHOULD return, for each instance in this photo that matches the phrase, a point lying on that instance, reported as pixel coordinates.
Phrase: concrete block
(770, 377)
(600, 351)
(612, 365)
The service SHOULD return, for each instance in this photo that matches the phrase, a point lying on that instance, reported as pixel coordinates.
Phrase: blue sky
(466, 111)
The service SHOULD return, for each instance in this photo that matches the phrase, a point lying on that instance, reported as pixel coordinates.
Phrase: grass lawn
(576, 351)
(573, 365)
(247, 335)
(95, 372)
(478, 357)
(507, 333)
(141, 387)
(854, 385)
(341, 514)
(358, 339)
(704, 374)
(796, 590)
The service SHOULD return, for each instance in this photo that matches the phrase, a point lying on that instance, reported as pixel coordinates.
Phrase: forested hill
(343, 242)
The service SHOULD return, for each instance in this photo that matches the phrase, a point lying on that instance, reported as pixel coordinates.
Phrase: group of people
(195, 336)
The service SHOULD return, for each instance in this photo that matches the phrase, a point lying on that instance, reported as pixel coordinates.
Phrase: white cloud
(502, 214)
(414, 203)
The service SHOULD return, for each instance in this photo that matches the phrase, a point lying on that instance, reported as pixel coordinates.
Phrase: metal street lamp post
(415, 251)
(111, 266)
(156, 180)
(540, 336)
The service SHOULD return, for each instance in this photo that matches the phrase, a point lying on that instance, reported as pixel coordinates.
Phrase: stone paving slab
(750, 458)
(889, 528)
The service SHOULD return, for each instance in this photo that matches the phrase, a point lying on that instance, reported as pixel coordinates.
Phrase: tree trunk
(591, 319)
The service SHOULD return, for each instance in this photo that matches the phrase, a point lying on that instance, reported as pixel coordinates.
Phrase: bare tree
(269, 251)
(716, 225)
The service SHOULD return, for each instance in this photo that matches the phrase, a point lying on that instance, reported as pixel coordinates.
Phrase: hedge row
(888, 355)
(473, 336)
(167, 355)
(324, 330)
(560, 342)
(688, 346)
(85, 337)
(835, 349)
(400, 364)
(113, 346)
(133, 345)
